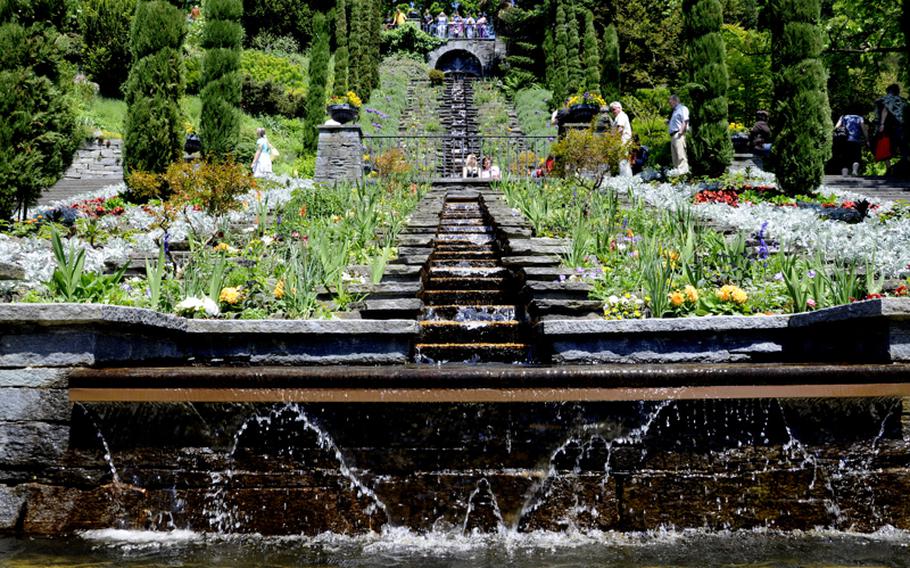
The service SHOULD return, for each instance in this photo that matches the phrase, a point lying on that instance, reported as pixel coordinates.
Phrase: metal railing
(444, 155)
(455, 30)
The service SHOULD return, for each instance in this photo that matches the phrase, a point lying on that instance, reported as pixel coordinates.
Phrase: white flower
(192, 306)
(210, 307)
(267, 240)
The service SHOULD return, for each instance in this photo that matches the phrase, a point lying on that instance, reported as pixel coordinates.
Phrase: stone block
(30, 444)
(11, 272)
(12, 503)
(33, 378)
(28, 404)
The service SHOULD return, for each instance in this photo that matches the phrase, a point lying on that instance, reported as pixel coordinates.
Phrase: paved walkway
(67, 189)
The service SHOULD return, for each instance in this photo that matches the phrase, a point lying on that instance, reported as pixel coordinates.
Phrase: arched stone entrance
(460, 61)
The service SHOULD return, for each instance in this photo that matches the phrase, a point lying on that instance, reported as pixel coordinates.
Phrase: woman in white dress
(262, 161)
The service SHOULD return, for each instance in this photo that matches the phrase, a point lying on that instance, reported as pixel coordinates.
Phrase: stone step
(463, 297)
(465, 282)
(444, 331)
(472, 352)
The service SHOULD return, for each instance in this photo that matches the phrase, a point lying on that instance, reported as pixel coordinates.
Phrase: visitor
(470, 169)
(428, 22)
(639, 157)
(850, 151)
(678, 126)
(457, 26)
(482, 26)
(889, 111)
(622, 125)
(470, 27)
(400, 18)
(442, 24)
(760, 135)
(488, 170)
(262, 161)
(195, 13)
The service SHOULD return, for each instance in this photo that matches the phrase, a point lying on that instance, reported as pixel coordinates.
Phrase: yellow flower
(230, 296)
(222, 247)
(691, 294)
(740, 296)
(353, 99)
(278, 292)
(677, 298)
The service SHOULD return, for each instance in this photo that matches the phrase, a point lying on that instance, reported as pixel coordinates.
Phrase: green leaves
(71, 283)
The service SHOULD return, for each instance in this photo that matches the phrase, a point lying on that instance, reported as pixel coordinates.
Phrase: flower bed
(280, 251)
(656, 257)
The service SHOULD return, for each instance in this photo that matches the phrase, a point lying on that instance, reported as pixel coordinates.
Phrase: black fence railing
(446, 155)
(456, 30)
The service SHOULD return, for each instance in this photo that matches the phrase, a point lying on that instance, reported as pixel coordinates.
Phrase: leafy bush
(590, 156)
(436, 77)
(105, 29)
(391, 162)
(154, 122)
(287, 71)
(278, 18)
(214, 187)
(38, 130)
(269, 99)
(408, 38)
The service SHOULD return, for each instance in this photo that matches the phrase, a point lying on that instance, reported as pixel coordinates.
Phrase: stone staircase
(458, 116)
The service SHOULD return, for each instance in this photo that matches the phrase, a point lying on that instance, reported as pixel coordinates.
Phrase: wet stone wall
(294, 468)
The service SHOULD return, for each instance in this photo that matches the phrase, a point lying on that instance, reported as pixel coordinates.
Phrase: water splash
(108, 454)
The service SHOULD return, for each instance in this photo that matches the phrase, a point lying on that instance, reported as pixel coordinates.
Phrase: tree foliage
(105, 29)
(220, 118)
(712, 150)
(591, 55)
(560, 84)
(342, 57)
(38, 132)
(610, 83)
(576, 75)
(316, 95)
(154, 129)
(801, 114)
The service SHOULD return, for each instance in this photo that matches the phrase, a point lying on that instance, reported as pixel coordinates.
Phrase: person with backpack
(854, 134)
(889, 112)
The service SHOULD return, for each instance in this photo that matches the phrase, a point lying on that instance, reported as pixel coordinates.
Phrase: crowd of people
(445, 26)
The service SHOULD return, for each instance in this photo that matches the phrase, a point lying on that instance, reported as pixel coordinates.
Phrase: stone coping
(891, 308)
(87, 314)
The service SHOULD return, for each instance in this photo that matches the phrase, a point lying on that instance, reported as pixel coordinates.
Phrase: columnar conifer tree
(560, 86)
(591, 56)
(712, 149)
(549, 49)
(154, 123)
(341, 49)
(38, 131)
(576, 75)
(801, 113)
(358, 73)
(610, 77)
(220, 118)
(374, 39)
(318, 77)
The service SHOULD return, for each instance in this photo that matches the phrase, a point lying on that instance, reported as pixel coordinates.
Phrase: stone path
(97, 164)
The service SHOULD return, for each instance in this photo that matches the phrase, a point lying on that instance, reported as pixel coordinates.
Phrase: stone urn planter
(342, 114)
(581, 113)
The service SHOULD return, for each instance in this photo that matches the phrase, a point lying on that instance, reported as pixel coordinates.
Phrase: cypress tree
(105, 29)
(154, 122)
(220, 119)
(358, 71)
(561, 78)
(316, 90)
(591, 56)
(549, 49)
(712, 149)
(610, 77)
(801, 113)
(38, 129)
(576, 75)
(341, 49)
(374, 35)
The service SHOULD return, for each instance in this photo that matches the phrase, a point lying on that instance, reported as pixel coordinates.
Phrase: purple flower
(376, 125)
(167, 243)
(779, 276)
(762, 245)
(811, 274)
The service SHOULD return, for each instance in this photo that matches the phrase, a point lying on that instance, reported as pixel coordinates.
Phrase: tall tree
(220, 118)
(316, 90)
(610, 86)
(341, 49)
(576, 75)
(358, 73)
(154, 122)
(801, 113)
(374, 37)
(38, 130)
(560, 86)
(712, 149)
(591, 55)
(105, 29)
(549, 53)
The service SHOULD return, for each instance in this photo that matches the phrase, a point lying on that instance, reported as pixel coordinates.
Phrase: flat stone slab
(305, 327)
(663, 325)
(570, 289)
(11, 272)
(538, 246)
(525, 260)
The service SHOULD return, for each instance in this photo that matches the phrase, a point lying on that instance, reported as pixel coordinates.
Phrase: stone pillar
(339, 156)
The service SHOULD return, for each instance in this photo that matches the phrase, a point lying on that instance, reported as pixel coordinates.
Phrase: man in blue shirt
(679, 125)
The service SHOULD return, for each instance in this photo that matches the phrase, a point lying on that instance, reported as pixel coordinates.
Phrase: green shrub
(609, 76)
(269, 42)
(588, 156)
(220, 117)
(287, 18)
(284, 70)
(105, 29)
(269, 99)
(436, 77)
(154, 122)
(408, 38)
(560, 77)
(38, 129)
(591, 55)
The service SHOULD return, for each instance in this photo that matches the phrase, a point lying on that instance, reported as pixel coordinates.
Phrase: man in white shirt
(679, 125)
(624, 127)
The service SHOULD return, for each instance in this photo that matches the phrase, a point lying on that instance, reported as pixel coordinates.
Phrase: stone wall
(339, 155)
(97, 159)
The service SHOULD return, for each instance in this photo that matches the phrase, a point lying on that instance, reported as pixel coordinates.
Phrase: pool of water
(453, 550)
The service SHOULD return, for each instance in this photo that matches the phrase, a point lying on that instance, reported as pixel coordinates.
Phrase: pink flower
(810, 303)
